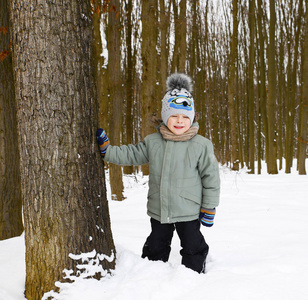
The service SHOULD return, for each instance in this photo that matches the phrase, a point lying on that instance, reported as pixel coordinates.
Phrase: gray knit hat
(178, 98)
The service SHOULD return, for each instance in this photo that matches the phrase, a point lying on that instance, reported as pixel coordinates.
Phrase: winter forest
(247, 59)
(68, 67)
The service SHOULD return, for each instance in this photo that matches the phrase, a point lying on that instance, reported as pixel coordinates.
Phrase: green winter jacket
(183, 176)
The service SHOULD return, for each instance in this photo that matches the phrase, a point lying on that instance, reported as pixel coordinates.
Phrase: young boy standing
(184, 182)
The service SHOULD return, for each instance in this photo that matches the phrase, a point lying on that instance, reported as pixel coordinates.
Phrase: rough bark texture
(63, 187)
(10, 188)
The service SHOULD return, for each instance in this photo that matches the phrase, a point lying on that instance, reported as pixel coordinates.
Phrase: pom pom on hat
(178, 98)
(179, 81)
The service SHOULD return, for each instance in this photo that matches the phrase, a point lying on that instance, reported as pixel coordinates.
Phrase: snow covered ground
(258, 248)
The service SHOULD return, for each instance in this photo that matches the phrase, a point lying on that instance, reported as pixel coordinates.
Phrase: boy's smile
(178, 123)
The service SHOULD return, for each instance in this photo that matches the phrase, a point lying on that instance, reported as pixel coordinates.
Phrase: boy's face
(178, 123)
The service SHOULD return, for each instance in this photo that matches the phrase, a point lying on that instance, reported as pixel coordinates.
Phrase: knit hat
(178, 98)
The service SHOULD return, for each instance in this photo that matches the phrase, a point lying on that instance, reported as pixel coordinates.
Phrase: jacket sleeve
(209, 173)
(129, 155)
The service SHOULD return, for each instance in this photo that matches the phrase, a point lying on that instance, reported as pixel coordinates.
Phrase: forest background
(248, 63)
(69, 66)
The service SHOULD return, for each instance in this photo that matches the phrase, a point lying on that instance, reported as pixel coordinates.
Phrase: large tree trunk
(62, 176)
(10, 188)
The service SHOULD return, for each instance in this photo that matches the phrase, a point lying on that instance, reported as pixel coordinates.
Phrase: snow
(258, 248)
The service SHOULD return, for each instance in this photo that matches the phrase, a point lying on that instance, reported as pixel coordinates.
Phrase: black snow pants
(194, 248)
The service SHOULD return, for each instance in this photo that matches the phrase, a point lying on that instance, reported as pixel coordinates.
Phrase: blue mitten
(102, 140)
(206, 217)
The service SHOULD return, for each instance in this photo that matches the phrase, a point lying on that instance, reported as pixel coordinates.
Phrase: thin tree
(129, 81)
(232, 96)
(293, 53)
(303, 137)
(251, 97)
(115, 91)
(271, 103)
(164, 26)
(262, 78)
(62, 176)
(10, 189)
(148, 53)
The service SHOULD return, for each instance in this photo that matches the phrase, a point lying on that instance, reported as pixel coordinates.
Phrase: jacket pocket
(189, 196)
(185, 205)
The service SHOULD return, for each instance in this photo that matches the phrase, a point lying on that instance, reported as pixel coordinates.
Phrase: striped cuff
(103, 148)
(207, 216)
(102, 140)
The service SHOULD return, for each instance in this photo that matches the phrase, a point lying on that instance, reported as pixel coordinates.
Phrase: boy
(184, 182)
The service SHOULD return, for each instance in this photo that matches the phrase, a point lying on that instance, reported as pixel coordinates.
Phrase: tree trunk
(10, 189)
(129, 84)
(271, 104)
(148, 53)
(177, 38)
(263, 96)
(115, 89)
(164, 25)
(251, 98)
(303, 138)
(62, 176)
(232, 97)
(292, 83)
(183, 33)
(281, 95)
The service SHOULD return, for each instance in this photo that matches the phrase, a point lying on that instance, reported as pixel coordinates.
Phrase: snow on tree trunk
(62, 176)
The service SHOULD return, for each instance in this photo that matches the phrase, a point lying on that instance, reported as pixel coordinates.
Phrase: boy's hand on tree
(102, 140)
(206, 217)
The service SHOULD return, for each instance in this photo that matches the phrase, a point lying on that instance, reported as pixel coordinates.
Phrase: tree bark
(292, 84)
(115, 89)
(10, 187)
(129, 82)
(262, 87)
(232, 98)
(183, 33)
(251, 97)
(62, 175)
(271, 103)
(303, 137)
(164, 25)
(148, 53)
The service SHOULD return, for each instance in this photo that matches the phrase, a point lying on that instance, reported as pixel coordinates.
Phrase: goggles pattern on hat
(181, 102)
